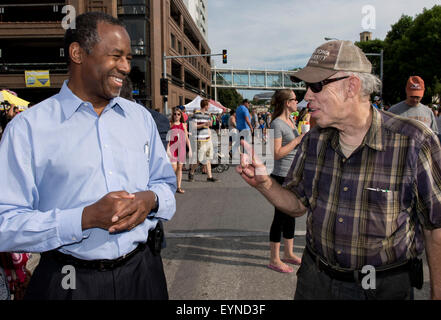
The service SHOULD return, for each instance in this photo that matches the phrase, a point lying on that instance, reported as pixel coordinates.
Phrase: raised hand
(252, 169)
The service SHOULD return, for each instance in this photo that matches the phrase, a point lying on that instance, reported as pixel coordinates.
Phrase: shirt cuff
(167, 203)
(69, 226)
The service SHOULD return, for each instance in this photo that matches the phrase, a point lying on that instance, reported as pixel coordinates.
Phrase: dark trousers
(140, 278)
(282, 223)
(315, 285)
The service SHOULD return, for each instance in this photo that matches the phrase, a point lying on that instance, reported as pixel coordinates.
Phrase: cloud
(282, 34)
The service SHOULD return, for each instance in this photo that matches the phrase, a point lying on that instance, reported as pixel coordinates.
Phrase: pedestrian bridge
(254, 79)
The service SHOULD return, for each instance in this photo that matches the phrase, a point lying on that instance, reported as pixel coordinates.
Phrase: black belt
(356, 275)
(101, 265)
(153, 242)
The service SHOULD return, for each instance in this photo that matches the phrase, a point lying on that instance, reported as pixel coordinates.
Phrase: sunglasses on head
(318, 86)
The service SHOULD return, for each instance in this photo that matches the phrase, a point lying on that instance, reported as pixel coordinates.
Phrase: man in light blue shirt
(85, 178)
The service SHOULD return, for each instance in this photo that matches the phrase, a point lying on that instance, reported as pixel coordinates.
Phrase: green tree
(229, 97)
(412, 47)
(373, 46)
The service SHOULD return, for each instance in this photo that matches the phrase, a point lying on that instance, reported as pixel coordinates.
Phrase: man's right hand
(254, 172)
(252, 169)
(100, 213)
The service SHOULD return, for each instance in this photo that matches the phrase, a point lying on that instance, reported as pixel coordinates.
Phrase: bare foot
(292, 259)
(280, 266)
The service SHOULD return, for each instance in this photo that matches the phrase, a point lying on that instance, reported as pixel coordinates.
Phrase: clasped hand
(118, 211)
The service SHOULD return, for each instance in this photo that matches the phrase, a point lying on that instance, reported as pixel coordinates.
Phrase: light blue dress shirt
(60, 156)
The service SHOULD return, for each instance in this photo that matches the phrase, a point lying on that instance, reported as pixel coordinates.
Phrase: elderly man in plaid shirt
(370, 182)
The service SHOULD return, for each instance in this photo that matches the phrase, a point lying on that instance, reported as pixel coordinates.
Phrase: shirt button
(74, 239)
(343, 160)
(110, 172)
(339, 252)
(106, 146)
(340, 220)
(345, 189)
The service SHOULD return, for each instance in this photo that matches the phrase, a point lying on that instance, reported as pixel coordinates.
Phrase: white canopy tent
(191, 107)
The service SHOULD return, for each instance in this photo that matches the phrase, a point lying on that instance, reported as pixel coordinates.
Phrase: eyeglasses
(291, 99)
(177, 113)
(318, 86)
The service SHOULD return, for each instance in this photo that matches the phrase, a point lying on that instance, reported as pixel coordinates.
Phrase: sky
(282, 34)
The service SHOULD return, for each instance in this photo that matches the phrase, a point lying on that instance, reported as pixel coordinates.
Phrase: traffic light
(224, 56)
(164, 87)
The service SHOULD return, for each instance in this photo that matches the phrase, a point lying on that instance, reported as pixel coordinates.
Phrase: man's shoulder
(161, 120)
(400, 106)
(408, 127)
(201, 115)
(44, 109)
(133, 106)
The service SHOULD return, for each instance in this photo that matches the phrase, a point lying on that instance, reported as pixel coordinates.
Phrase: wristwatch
(156, 207)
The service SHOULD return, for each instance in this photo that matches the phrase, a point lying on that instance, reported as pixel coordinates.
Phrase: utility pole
(164, 65)
(381, 68)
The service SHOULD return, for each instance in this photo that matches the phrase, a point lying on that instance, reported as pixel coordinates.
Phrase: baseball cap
(415, 86)
(181, 107)
(332, 57)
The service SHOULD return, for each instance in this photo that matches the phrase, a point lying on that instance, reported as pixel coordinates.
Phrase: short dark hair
(204, 103)
(85, 32)
(245, 101)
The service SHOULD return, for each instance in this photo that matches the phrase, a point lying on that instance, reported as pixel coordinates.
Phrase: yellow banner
(37, 78)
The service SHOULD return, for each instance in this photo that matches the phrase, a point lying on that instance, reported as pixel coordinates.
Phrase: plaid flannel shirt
(370, 208)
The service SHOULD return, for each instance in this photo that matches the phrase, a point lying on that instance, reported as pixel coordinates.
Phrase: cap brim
(415, 93)
(312, 74)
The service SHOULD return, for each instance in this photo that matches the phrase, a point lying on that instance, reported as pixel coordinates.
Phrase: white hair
(370, 83)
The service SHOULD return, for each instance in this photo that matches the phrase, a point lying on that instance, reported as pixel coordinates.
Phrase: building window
(137, 29)
(173, 41)
(180, 47)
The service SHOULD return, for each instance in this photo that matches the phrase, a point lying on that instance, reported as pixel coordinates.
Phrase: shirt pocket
(139, 169)
(382, 210)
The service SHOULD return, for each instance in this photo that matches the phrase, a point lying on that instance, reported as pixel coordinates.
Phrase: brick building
(31, 38)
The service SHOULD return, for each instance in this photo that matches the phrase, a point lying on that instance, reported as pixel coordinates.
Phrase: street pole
(215, 84)
(381, 68)
(381, 73)
(164, 74)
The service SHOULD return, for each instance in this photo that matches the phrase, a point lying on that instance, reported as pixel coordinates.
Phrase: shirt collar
(373, 138)
(70, 103)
